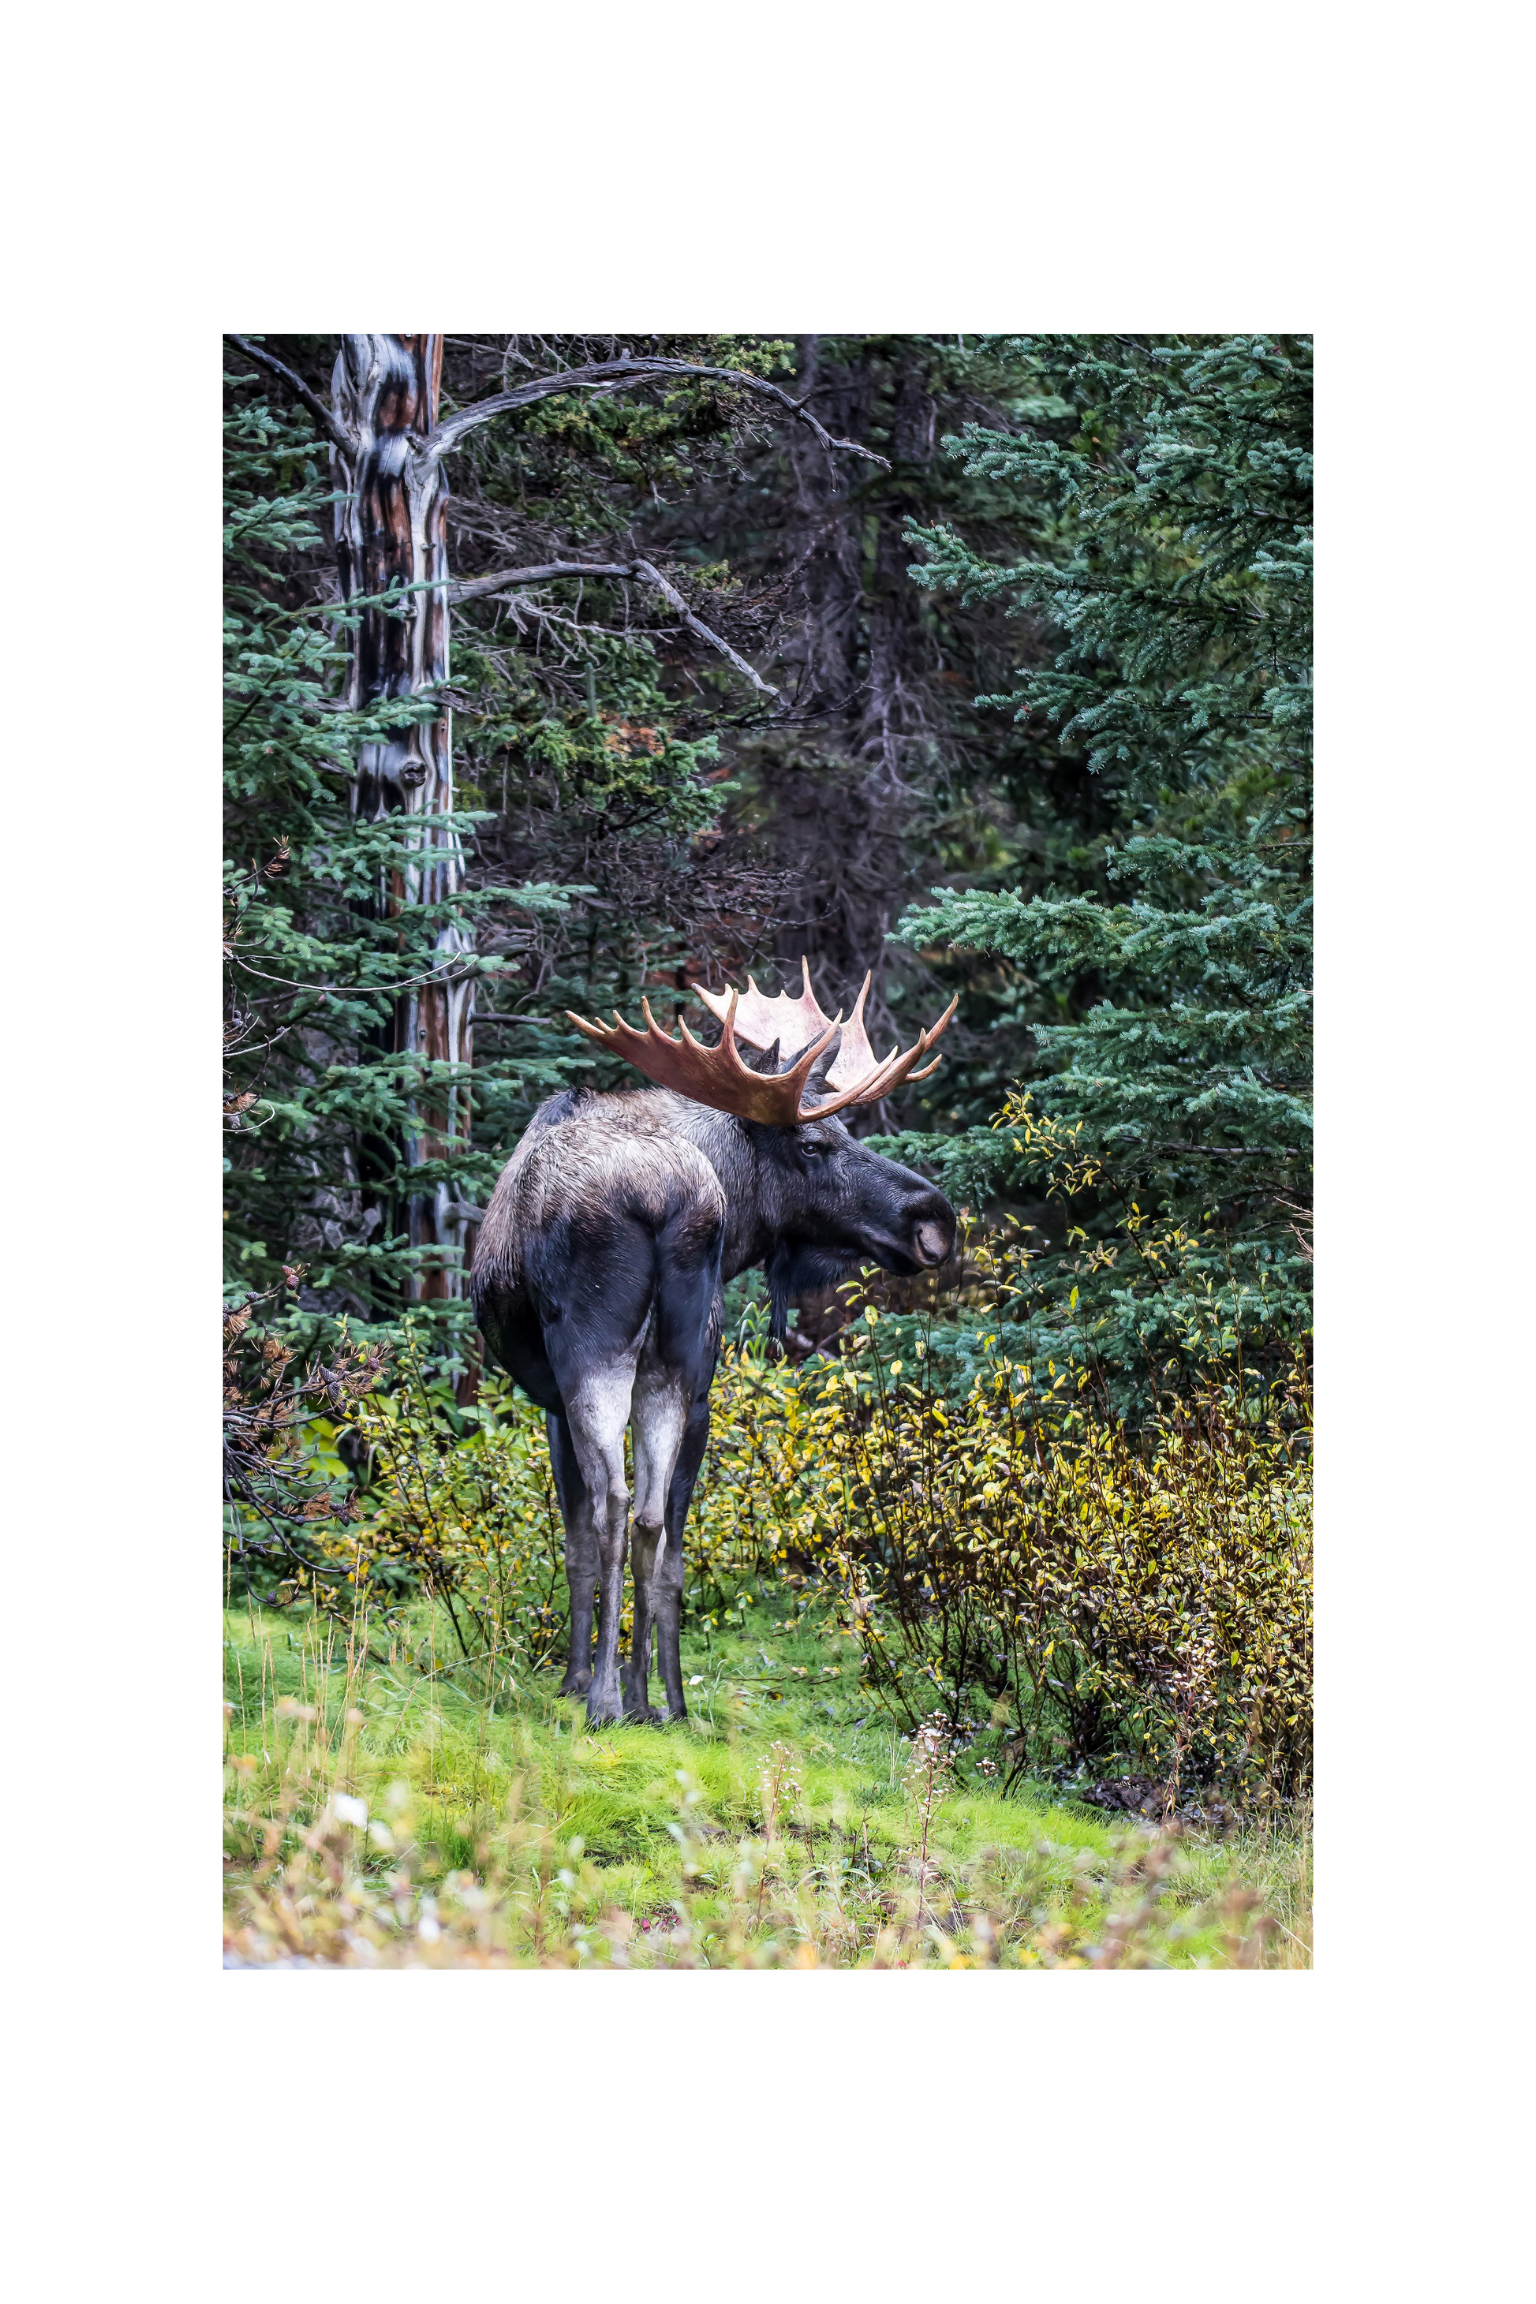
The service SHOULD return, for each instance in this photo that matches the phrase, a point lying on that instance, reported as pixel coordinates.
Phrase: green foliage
(284, 1486)
(1144, 1602)
(457, 1503)
(1126, 842)
(316, 1103)
(1168, 483)
(997, 1535)
(1107, 1594)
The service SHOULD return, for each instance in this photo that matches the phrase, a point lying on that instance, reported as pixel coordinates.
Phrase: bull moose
(599, 1266)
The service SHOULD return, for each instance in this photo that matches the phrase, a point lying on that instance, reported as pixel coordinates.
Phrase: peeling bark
(391, 532)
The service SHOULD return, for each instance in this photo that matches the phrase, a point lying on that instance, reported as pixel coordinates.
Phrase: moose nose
(932, 1242)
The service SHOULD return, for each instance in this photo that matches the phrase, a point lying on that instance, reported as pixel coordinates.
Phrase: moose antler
(718, 1077)
(760, 1021)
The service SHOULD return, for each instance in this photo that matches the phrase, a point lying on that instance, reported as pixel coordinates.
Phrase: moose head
(825, 1201)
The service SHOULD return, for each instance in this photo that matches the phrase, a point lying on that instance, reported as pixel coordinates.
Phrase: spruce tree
(1165, 484)
(880, 776)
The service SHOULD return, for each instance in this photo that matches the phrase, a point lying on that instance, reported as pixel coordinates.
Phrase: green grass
(776, 1827)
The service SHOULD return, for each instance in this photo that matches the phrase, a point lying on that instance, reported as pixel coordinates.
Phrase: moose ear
(816, 1080)
(764, 1060)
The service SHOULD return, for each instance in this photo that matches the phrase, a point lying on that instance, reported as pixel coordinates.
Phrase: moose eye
(814, 1147)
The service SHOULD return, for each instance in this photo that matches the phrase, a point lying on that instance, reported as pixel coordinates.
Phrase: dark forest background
(1039, 736)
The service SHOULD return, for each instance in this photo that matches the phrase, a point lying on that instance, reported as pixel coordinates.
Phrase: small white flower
(351, 1811)
(697, 1681)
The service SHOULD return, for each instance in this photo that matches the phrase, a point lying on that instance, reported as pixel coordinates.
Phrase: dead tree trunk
(390, 535)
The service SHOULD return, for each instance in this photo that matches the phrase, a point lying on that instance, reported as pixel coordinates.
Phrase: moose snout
(932, 1241)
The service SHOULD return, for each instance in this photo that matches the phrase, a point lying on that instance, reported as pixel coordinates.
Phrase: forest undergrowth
(995, 1540)
(937, 1629)
(980, 1672)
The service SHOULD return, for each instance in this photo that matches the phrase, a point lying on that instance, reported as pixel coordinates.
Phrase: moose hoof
(603, 1710)
(576, 1682)
(646, 1713)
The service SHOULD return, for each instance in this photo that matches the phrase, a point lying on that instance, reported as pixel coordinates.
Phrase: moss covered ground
(380, 1815)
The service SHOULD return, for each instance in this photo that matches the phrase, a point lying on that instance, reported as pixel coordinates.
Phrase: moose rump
(597, 1287)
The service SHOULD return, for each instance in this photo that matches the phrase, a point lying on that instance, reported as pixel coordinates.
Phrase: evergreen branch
(329, 423)
(1239, 1151)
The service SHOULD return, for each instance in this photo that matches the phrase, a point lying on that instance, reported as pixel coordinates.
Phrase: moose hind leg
(581, 1552)
(669, 1580)
(636, 1672)
(597, 1413)
(676, 1371)
(659, 1416)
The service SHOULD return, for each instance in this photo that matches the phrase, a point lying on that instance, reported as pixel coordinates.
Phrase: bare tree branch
(613, 375)
(602, 376)
(334, 430)
(480, 587)
(674, 599)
